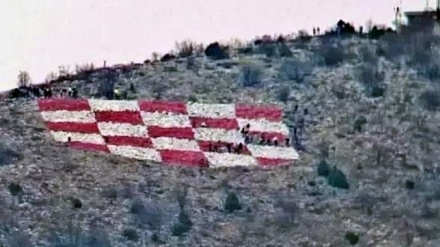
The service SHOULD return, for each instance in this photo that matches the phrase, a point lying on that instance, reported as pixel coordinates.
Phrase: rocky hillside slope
(367, 176)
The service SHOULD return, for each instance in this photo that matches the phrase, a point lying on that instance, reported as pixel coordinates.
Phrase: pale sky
(39, 35)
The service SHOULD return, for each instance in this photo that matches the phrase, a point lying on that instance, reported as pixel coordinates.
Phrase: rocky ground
(385, 144)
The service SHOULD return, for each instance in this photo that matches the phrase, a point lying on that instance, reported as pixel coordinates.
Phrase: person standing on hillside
(116, 93)
(74, 93)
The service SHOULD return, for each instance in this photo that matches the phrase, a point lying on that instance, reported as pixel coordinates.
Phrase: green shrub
(146, 214)
(216, 52)
(332, 56)
(246, 50)
(76, 203)
(337, 179)
(323, 168)
(110, 193)
(372, 80)
(294, 69)
(156, 239)
(268, 49)
(283, 94)
(131, 234)
(8, 156)
(409, 184)
(430, 99)
(232, 203)
(352, 238)
(359, 123)
(284, 50)
(15, 189)
(183, 225)
(250, 75)
(377, 92)
(170, 69)
(192, 98)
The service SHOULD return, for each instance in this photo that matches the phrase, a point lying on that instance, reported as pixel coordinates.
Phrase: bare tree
(155, 56)
(51, 77)
(63, 70)
(24, 79)
(185, 48)
(107, 85)
(369, 24)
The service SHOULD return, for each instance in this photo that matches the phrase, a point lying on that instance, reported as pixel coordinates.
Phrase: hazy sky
(39, 35)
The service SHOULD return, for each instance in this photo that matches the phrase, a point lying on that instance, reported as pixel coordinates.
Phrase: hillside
(372, 118)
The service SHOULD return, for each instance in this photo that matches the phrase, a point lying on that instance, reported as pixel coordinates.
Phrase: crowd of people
(42, 92)
(247, 138)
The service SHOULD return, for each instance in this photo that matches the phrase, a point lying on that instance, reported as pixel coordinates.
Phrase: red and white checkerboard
(166, 131)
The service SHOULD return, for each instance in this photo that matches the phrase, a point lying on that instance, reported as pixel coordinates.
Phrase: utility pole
(398, 15)
(437, 11)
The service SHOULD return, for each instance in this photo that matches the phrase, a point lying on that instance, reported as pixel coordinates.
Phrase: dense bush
(332, 55)
(283, 94)
(359, 123)
(216, 52)
(167, 57)
(293, 69)
(183, 224)
(336, 178)
(352, 238)
(8, 156)
(304, 36)
(146, 214)
(284, 50)
(15, 189)
(274, 50)
(232, 203)
(246, 50)
(185, 48)
(250, 75)
(377, 32)
(409, 184)
(191, 63)
(96, 237)
(76, 202)
(430, 99)
(323, 168)
(372, 79)
(131, 234)
(107, 84)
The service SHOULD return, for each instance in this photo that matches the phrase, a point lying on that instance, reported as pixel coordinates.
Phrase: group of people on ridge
(42, 91)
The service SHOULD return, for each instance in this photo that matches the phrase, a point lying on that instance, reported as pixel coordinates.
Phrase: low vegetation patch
(250, 74)
(352, 238)
(232, 203)
(293, 69)
(430, 99)
(336, 178)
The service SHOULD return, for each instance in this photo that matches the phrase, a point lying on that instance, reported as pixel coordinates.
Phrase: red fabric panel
(63, 104)
(89, 146)
(187, 158)
(271, 113)
(131, 117)
(274, 162)
(220, 123)
(163, 106)
(85, 128)
(182, 133)
(129, 141)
